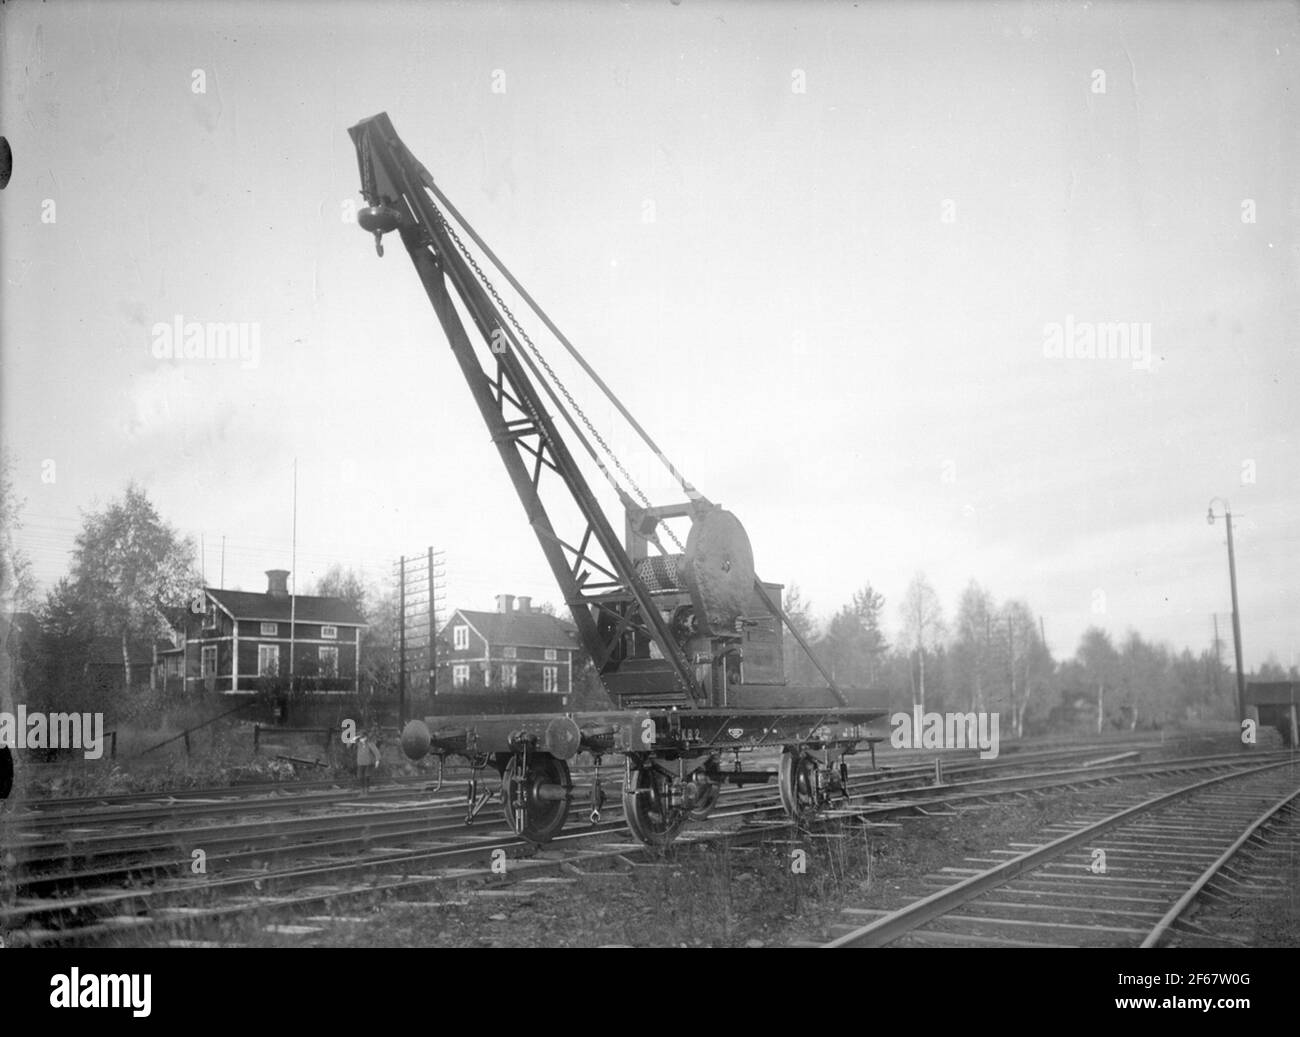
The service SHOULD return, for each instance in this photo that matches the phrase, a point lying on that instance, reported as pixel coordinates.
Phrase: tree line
(992, 656)
(131, 574)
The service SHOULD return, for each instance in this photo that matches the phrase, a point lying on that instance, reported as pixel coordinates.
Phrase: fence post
(257, 737)
(187, 742)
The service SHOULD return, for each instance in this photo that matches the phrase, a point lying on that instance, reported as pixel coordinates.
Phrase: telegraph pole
(1236, 615)
(1218, 662)
(401, 639)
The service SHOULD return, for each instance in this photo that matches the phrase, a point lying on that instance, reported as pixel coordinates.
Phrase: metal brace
(474, 801)
(519, 797)
(597, 793)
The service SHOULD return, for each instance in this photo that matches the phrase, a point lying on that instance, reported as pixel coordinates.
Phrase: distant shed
(1276, 703)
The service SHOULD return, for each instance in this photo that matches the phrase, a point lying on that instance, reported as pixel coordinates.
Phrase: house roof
(307, 607)
(107, 651)
(535, 629)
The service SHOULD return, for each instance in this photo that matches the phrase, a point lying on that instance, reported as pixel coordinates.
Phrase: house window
(460, 638)
(550, 655)
(508, 676)
(510, 652)
(270, 629)
(329, 660)
(268, 660)
(548, 679)
(208, 661)
(331, 632)
(460, 676)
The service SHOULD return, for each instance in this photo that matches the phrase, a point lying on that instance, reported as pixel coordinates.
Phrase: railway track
(160, 892)
(175, 799)
(76, 849)
(1127, 876)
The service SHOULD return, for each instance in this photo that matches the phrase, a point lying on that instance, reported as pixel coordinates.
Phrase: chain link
(550, 372)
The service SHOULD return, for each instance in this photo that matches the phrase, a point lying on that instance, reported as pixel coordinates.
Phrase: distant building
(517, 649)
(1277, 704)
(242, 637)
(105, 667)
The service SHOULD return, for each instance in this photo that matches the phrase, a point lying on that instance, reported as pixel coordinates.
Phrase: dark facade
(242, 638)
(1277, 704)
(516, 649)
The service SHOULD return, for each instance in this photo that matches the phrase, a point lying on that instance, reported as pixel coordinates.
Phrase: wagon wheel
(540, 819)
(798, 782)
(705, 804)
(649, 817)
(708, 787)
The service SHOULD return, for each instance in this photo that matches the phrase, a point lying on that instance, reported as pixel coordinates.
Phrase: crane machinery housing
(686, 639)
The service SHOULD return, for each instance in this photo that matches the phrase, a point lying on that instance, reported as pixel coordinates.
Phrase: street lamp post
(1236, 616)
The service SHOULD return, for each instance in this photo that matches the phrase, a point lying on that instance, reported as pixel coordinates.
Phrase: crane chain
(550, 372)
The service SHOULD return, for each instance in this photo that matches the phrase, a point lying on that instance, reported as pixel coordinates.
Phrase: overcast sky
(819, 249)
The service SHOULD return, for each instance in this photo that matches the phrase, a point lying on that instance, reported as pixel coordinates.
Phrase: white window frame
(270, 629)
(459, 675)
(329, 632)
(206, 668)
(460, 638)
(330, 652)
(550, 679)
(510, 652)
(268, 652)
(509, 676)
(551, 655)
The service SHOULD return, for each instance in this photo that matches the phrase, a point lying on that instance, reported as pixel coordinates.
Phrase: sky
(823, 251)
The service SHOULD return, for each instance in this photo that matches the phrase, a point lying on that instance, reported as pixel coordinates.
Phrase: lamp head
(1209, 516)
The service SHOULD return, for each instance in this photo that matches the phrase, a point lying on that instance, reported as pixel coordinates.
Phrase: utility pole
(1236, 623)
(1011, 668)
(1218, 662)
(293, 580)
(433, 633)
(1236, 615)
(401, 638)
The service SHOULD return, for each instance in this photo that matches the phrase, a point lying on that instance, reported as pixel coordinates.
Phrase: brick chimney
(505, 602)
(277, 583)
(525, 603)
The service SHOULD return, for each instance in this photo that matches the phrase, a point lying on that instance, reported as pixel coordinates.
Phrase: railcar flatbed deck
(685, 731)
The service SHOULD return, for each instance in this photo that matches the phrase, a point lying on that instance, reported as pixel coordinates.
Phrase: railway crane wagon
(685, 637)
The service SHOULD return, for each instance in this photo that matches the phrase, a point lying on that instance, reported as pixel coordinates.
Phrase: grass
(220, 755)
